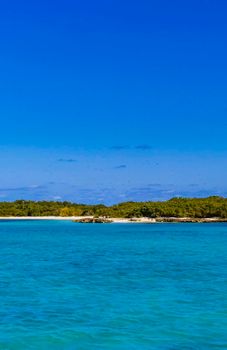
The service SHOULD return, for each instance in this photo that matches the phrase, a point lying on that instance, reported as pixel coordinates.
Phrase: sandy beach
(78, 218)
(70, 218)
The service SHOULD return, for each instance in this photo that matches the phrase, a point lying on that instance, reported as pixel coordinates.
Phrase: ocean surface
(122, 286)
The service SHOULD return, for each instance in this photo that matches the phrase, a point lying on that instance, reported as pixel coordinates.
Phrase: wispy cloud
(33, 192)
(143, 147)
(122, 166)
(57, 198)
(120, 147)
(22, 189)
(65, 160)
(158, 192)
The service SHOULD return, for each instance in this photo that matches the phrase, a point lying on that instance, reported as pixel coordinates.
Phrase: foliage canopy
(176, 207)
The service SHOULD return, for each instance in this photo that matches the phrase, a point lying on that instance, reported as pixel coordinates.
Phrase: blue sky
(106, 101)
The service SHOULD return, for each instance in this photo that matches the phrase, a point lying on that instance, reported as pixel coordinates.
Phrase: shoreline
(91, 219)
(30, 218)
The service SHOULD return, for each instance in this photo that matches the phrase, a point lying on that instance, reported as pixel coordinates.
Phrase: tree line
(210, 207)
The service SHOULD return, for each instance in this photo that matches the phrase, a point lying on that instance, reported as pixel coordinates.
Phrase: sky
(111, 101)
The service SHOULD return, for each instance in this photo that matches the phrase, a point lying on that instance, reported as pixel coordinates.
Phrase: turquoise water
(84, 286)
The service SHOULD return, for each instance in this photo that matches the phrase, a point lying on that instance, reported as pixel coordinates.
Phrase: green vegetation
(177, 207)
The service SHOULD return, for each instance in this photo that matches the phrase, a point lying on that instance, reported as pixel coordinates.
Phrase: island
(180, 210)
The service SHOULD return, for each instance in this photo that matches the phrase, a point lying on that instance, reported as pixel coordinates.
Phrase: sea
(66, 285)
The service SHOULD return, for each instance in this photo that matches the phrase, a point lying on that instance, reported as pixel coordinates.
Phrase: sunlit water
(122, 286)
